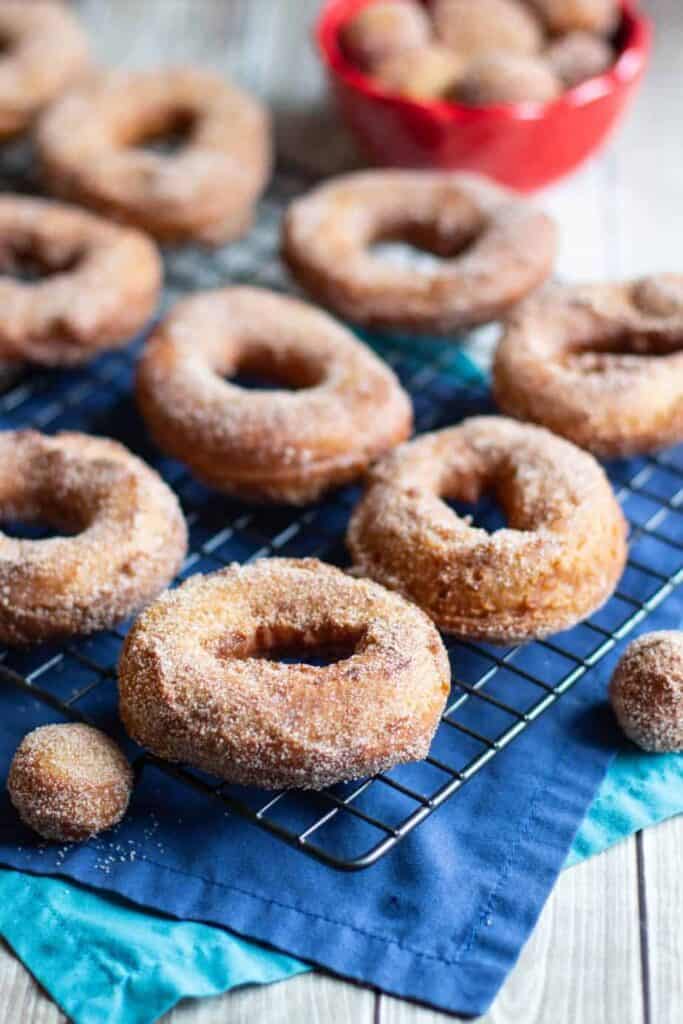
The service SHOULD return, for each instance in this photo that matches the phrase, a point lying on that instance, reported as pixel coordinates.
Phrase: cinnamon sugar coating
(384, 29)
(267, 445)
(558, 560)
(196, 685)
(425, 72)
(102, 282)
(646, 691)
(578, 56)
(89, 144)
(601, 364)
(45, 50)
(473, 29)
(130, 535)
(493, 248)
(69, 782)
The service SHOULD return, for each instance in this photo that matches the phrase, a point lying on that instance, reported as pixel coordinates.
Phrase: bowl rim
(626, 69)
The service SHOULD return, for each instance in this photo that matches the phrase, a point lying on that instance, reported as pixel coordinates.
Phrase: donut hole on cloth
(260, 369)
(29, 258)
(165, 133)
(404, 240)
(612, 349)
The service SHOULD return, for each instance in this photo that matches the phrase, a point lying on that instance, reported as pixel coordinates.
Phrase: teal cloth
(102, 959)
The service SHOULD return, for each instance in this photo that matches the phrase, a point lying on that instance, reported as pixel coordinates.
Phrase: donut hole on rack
(425, 243)
(325, 645)
(486, 513)
(31, 512)
(30, 260)
(621, 349)
(164, 132)
(261, 368)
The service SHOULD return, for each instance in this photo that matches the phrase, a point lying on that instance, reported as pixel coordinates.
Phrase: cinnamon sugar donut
(100, 282)
(646, 691)
(130, 536)
(384, 28)
(267, 445)
(494, 248)
(69, 782)
(44, 50)
(601, 364)
(425, 72)
(473, 28)
(196, 683)
(557, 562)
(89, 145)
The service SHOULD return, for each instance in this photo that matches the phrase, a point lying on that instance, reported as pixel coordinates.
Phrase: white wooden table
(609, 945)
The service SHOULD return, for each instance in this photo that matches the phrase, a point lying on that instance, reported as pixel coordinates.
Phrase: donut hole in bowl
(288, 645)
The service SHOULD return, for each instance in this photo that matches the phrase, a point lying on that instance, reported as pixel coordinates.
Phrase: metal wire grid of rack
(497, 693)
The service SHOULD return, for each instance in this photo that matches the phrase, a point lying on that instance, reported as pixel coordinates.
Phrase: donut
(199, 679)
(90, 141)
(578, 56)
(129, 536)
(507, 78)
(382, 29)
(557, 561)
(473, 28)
(562, 16)
(646, 691)
(423, 73)
(44, 51)
(493, 248)
(97, 283)
(267, 445)
(69, 782)
(601, 364)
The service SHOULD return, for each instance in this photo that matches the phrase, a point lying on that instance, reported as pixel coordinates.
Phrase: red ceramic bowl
(525, 145)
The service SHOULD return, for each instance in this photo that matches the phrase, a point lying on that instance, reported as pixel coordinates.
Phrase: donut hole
(30, 260)
(329, 644)
(485, 513)
(36, 528)
(164, 133)
(449, 231)
(30, 516)
(261, 369)
(600, 355)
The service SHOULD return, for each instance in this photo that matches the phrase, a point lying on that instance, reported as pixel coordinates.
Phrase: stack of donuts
(481, 52)
(580, 370)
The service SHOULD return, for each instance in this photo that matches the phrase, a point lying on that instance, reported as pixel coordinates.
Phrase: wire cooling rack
(497, 693)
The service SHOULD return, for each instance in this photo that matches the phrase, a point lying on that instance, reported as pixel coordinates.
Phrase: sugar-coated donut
(196, 683)
(423, 73)
(267, 445)
(44, 52)
(601, 364)
(89, 144)
(577, 56)
(557, 562)
(562, 16)
(494, 248)
(69, 782)
(101, 282)
(130, 535)
(646, 691)
(507, 78)
(473, 28)
(384, 28)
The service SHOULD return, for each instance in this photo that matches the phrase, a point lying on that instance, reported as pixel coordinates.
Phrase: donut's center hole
(327, 645)
(484, 513)
(31, 260)
(260, 369)
(34, 529)
(423, 244)
(166, 134)
(597, 356)
(7, 45)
